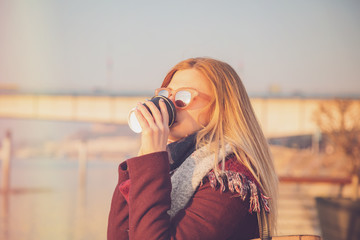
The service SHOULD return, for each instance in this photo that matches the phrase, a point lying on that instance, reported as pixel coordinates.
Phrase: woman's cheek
(179, 131)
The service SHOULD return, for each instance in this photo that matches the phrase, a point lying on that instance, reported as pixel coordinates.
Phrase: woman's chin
(170, 141)
(173, 137)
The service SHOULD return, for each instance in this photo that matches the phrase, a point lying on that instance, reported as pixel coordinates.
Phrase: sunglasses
(182, 96)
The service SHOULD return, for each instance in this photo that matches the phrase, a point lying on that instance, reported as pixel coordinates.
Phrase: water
(33, 131)
(46, 201)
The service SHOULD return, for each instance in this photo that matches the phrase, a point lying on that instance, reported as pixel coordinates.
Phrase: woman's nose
(172, 98)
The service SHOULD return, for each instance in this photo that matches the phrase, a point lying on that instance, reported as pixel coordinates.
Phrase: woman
(208, 175)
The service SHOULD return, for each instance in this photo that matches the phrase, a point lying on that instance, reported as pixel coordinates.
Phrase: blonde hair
(233, 122)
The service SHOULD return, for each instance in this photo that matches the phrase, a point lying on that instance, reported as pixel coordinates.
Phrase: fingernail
(161, 100)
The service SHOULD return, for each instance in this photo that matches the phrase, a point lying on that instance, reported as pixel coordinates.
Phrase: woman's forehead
(190, 78)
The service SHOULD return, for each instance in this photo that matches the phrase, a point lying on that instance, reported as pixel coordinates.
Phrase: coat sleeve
(209, 214)
(118, 222)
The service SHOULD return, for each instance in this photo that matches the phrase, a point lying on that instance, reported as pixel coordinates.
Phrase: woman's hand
(155, 128)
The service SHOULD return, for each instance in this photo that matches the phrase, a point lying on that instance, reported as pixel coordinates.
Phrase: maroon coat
(210, 214)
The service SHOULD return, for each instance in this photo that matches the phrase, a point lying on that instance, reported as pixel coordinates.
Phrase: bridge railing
(339, 181)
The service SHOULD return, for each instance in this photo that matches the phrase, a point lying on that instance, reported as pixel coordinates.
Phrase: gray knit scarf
(188, 176)
(188, 167)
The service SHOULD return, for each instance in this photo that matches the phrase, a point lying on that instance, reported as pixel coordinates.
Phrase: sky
(306, 47)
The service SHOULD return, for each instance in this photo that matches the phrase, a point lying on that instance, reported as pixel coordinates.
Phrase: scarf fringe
(240, 184)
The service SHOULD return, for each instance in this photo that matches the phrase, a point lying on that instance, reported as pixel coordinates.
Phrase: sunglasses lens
(182, 98)
(164, 93)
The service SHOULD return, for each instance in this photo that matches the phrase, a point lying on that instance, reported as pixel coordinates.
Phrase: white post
(81, 192)
(6, 162)
(82, 163)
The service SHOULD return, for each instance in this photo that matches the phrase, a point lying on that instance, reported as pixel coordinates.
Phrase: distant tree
(339, 120)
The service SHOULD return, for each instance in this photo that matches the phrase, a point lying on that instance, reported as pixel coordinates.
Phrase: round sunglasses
(182, 96)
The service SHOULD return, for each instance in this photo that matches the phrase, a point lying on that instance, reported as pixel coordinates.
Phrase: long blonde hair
(233, 122)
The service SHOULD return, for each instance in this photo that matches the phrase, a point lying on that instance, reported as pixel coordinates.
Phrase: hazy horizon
(286, 47)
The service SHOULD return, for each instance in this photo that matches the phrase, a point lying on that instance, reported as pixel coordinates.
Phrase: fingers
(154, 118)
(146, 116)
(157, 117)
(155, 133)
(141, 119)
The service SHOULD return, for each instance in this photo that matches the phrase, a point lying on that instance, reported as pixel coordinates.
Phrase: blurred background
(70, 71)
